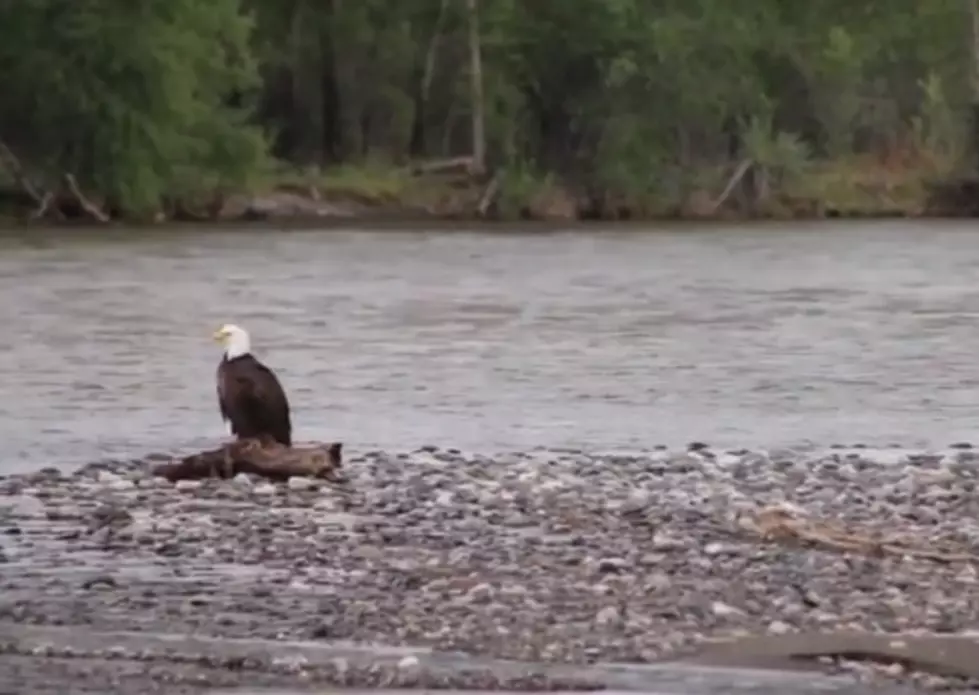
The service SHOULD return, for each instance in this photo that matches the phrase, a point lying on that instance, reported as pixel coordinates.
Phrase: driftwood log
(266, 459)
(787, 525)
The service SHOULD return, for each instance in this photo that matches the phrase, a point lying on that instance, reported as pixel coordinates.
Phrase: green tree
(133, 100)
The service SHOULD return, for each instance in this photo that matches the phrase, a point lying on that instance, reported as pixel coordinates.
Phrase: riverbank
(857, 188)
(545, 558)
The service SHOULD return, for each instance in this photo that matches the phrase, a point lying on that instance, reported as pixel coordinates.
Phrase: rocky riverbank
(543, 557)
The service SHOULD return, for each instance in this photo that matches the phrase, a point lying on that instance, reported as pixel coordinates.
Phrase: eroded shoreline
(548, 558)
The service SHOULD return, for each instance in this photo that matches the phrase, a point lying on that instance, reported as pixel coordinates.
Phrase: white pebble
(300, 483)
(115, 482)
(409, 663)
(778, 627)
(187, 485)
(714, 548)
(480, 592)
(723, 610)
(662, 541)
(325, 504)
(265, 489)
(155, 482)
(637, 500)
(243, 480)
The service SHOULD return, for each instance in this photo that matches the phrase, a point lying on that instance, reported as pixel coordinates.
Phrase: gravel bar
(540, 570)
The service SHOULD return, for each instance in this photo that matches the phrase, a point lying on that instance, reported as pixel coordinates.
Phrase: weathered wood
(735, 179)
(489, 196)
(266, 459)
(90, 208)
(786, 524)
(46, 201)
(460, 165)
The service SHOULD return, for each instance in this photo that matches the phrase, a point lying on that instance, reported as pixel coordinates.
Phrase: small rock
(778, 627)
(103, 581)
(663, 542)
(243, 480)
(894, 670)
(115, 482)
(612, 564)
(609, 615)
(636, 502)
(187, 485)
(723, 610)
(715, 548)
(409, 666)
(23, 507)
(265, 488)
(301, 483)
(479, 593)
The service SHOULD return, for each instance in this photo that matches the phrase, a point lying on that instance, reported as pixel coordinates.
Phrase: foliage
(131, 99)
(636, 99)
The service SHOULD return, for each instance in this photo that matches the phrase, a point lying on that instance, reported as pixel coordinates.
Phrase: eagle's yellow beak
(220, 335)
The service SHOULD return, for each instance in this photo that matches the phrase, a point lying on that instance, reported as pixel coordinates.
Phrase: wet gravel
(541, 556)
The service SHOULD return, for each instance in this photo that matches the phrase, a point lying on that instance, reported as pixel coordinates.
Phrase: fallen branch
(93, 210)
(44, 206)
(489, 196)
(783, 524)
(266, 459)
(735, 179)
(46, 201)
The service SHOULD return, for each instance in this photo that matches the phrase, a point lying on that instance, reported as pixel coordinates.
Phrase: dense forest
(612, 107)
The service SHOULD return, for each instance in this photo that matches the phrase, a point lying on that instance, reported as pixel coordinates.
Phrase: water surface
(752, 335)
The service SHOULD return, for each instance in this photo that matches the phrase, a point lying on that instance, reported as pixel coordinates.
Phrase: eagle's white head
(234, 339)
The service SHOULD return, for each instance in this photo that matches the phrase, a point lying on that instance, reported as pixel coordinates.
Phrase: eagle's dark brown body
(252, 399)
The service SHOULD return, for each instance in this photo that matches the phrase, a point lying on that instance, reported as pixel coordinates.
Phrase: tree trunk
(331, 145)
(423, 87)
(476, 79)
(277, 107)
(973, 144)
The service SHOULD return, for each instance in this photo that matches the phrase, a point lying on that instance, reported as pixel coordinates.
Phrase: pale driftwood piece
(735, 179)
(93, 210)
(46, 200)
(462, 165)
(489, 196)
(266, 459)
(43, 206)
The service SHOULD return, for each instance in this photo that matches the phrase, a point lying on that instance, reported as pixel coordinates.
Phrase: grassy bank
(854, 187)
(858, 186)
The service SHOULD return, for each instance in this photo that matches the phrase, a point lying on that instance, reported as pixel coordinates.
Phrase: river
(755, 335)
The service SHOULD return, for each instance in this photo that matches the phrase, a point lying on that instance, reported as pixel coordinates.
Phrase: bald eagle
(249, 394)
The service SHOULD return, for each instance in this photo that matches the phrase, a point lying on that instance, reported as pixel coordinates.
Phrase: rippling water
(756, 335)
